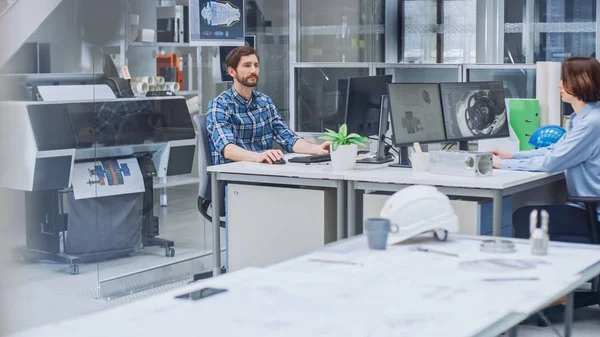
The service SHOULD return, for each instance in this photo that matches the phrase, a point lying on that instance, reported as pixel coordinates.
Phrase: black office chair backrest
(204, 158)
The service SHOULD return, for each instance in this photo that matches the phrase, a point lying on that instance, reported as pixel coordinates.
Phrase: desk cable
(386, 143)
(448, 146)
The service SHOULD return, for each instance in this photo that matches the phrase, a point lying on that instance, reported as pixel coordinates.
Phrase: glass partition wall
(46, 275)
(320, 94)
(519, 79)
(421, 73)
(73, 248)
(549, 30)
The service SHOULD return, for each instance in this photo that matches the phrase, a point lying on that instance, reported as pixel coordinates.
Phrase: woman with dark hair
(577, 153)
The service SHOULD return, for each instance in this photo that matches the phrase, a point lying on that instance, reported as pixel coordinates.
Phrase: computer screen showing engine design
(363, 103)
(416, 113)
(474, 110)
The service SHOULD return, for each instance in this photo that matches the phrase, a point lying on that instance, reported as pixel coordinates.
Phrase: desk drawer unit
(268, 224)
(474, 214)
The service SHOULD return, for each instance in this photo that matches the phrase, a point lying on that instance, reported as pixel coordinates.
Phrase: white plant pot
(344, 157)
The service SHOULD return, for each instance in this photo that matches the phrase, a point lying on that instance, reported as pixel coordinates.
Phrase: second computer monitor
(416, 113)
(363, 103)
(474, 110)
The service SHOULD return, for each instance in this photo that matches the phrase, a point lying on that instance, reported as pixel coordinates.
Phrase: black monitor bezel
(392, 122)
(391, 77)
(466, 139)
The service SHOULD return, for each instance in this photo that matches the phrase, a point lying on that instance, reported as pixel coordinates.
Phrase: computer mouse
(279, 161)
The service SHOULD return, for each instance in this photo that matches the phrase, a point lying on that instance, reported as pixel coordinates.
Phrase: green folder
(524, 119)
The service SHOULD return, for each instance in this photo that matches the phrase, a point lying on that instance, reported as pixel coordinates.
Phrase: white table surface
(501, 179)
(322, 170)
(349, 290)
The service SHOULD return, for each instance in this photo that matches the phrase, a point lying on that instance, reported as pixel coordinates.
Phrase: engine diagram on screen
(479, 114)
(426, 96)
(220, 13)
(410, 123)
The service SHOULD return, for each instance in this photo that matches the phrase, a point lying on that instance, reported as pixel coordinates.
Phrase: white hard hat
(418, 209)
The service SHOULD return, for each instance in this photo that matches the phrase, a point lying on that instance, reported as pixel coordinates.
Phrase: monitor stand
(463, 146)
(403, 158)
(376, 160)
(380, 156)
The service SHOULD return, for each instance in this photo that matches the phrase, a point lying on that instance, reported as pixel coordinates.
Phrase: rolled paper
(172, 86)
(140, 87)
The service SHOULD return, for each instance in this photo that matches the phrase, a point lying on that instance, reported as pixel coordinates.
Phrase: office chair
(586, 299)
(583, 298)
(205, 160)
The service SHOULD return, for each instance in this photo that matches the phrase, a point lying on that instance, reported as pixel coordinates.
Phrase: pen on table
(335, 261)
(511, 279)
(427, 250)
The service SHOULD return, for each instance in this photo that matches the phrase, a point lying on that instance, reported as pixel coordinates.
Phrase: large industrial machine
(43, 143)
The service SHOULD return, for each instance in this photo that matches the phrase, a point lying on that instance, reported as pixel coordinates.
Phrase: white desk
(291, 174)
(383, 293)
(392, 179)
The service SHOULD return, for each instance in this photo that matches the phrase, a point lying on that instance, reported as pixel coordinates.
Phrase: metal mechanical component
(498, 246)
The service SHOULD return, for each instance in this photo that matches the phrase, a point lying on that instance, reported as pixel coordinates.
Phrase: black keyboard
(317, 158)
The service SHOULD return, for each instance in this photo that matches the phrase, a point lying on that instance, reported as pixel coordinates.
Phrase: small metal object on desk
(539, 236)
(498, 246)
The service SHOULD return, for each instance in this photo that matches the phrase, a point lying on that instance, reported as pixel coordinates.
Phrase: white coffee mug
(419, 161)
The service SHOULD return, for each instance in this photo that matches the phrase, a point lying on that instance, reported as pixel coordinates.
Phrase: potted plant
(344, 147)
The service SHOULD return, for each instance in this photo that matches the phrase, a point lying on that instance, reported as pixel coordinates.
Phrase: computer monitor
(474, 110)
(363, 103)
(416, 116)
(367, 112)
(416, 113)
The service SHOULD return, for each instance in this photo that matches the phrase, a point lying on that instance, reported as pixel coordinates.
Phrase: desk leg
(216, 206)
(512, 332)
(351, 209)
(497, 212)
(341, 209)
(569, 313)
(163, 196)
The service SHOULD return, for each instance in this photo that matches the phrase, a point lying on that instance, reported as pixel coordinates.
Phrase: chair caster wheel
(440, 234)
(169, 252)
(74, 269)
(540, 322)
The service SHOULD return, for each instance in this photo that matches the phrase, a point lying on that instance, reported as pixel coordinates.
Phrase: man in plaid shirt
(242, 123)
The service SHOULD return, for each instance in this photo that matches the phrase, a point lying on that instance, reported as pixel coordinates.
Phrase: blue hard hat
(546, 135)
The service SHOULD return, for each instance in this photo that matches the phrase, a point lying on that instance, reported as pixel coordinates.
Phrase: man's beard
(247, 83)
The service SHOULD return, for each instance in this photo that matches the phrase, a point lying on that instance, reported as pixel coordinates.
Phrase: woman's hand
(496, 161)
(502, 154)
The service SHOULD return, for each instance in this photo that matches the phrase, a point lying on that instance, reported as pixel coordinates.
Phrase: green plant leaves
(335, 145)
(359, 142)
(343, 130)
(328, 137)
(343, 138)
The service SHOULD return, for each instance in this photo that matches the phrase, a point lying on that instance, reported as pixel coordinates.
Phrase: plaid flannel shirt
(250, 125)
